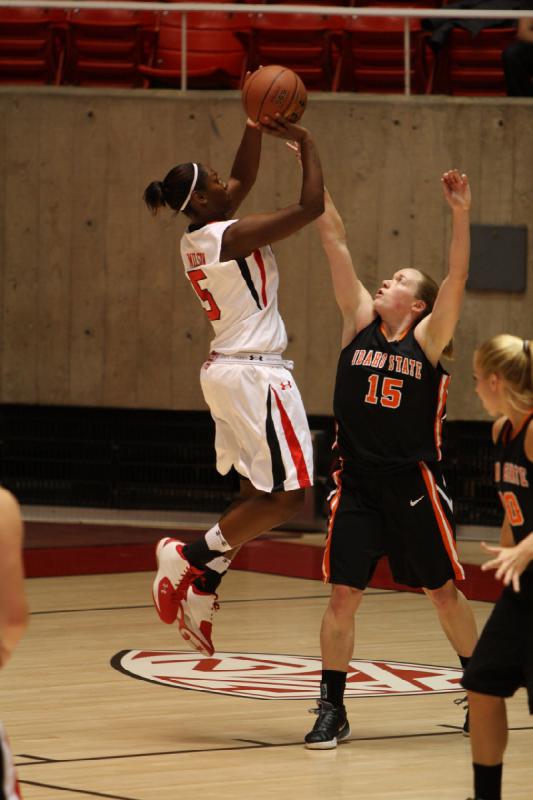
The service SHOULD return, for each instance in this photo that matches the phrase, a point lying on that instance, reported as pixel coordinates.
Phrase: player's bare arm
(245, 166)
(258, 230)
(13, 606)
(437, 329)
(525, 30)
(353, 299)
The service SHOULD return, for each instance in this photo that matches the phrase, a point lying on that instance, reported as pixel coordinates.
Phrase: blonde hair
(427, 291)
(511, 358)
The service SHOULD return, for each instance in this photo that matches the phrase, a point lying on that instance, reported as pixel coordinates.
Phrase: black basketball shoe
(332, 726)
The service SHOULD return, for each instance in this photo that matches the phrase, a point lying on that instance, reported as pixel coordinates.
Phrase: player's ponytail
(427, 291)
(510, 357)
(153, 196)
(176, 189)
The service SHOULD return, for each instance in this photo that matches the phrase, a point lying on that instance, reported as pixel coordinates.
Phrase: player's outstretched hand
(509, 563)
(456, 189)
(281, 128)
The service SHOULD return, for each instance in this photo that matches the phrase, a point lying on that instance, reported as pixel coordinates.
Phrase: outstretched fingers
(456, 188)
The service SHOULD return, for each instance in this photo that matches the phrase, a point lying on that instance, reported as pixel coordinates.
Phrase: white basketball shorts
(261, 425)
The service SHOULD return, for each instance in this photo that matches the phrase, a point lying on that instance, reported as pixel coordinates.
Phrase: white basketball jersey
(240, 297)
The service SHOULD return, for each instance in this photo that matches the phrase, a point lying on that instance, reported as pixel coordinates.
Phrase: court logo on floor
(280, 677)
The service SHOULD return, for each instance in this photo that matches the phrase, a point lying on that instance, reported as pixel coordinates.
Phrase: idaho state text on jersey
(512, 473)
(393, 363)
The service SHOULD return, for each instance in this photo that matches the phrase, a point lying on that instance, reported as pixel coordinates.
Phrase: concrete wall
(94, 308)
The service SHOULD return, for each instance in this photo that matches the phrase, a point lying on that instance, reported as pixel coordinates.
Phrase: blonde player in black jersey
(503, 658)
(13, 617)
(389, 406)
(261, 426)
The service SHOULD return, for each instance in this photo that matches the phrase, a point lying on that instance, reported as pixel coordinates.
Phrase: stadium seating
(106, 47)
(303, 42)
(114, 47)
(29, 50)
(472, 65)
(372, 56)
(215, 56)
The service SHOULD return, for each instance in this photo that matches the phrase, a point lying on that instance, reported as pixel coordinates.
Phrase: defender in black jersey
(503, 659)
(13, 617)
(391, 498)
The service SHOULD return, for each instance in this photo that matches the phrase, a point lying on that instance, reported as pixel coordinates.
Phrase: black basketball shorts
(503, 659)
(405, 515)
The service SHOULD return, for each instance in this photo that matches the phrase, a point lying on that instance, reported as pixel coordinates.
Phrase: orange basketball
(274, 89)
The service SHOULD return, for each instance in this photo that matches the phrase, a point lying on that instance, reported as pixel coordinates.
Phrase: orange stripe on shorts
(333, 506)
(442, 520)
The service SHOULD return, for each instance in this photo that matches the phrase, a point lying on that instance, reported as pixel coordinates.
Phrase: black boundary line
(35, 759)
(258, 746)
(224, 602)
(253, 741)
(76, 791)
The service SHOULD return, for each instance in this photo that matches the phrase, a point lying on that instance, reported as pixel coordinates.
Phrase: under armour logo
(286, 385)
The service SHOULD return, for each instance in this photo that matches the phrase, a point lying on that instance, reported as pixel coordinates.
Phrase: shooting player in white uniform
(261, 426)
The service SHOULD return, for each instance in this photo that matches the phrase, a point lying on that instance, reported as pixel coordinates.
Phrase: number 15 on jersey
(388, 395)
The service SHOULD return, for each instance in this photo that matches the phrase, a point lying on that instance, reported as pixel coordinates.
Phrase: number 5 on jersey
(391, 395)
(212, 310)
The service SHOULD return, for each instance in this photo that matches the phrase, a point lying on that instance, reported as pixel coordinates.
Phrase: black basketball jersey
(389, 402)
(513, 474)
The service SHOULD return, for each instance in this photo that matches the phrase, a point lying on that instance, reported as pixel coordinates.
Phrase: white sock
(219, 564)
(215, 540)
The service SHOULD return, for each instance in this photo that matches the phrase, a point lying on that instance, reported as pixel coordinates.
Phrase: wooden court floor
(80, 728)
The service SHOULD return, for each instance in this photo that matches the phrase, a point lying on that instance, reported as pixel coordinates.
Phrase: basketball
(274, 89)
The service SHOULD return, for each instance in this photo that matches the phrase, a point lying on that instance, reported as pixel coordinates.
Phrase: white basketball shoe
(195, 619)
(174, 574)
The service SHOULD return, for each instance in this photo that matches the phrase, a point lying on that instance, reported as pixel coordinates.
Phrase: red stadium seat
(372, 57)
(215, 56)
(29, 51)
(472, 65)
(303, 42)
(105, 48)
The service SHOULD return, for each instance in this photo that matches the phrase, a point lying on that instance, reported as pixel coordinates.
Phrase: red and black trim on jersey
(247, 277)
(198, 259)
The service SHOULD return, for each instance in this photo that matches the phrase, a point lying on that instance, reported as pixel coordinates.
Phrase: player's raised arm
(245, 166)
(353, 299)
(258, 230)
(437, 329)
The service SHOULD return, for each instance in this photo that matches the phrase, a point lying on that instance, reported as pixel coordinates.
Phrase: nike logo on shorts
(414, 502)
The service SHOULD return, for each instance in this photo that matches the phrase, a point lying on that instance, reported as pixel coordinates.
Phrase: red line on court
(268, 556)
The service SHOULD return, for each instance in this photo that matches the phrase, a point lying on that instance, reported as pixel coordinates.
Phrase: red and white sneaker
(195, 619)
(174, 575)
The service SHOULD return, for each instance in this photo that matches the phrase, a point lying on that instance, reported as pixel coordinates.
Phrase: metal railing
(256, 8)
